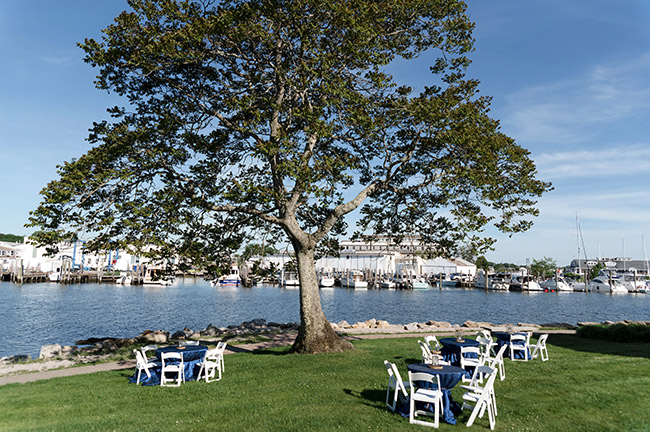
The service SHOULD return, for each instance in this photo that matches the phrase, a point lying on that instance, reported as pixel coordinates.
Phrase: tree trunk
(315, 334)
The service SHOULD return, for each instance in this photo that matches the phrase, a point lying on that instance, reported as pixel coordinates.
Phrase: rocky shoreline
(96, 348)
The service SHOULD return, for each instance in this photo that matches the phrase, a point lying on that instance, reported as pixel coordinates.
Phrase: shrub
(630, 333)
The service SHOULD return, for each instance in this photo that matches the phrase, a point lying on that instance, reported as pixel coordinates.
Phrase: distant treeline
(12, 238)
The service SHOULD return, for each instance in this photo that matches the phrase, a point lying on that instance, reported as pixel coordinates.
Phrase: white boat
(490, 282)
(125, 280)
(326, 281)
(232, 279)
(54, 276)
(555, 285)
(354, 279)
(289, 280)
(163, 281)
(387, 283)
(418, 283)
(602, 284)
(632, 282)
(521, 282)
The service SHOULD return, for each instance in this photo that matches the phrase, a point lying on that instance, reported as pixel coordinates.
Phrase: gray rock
(178, 334)
(360, 325)
(528, 325)
(441, 324)
(50, 351)
(587, 323)
(371, 323)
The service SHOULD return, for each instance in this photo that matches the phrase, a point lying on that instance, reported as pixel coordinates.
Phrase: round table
(192, 358)
(503, 338)
(449, 377)
(451, 350)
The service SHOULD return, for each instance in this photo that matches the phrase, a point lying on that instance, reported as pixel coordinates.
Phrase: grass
(586, 385)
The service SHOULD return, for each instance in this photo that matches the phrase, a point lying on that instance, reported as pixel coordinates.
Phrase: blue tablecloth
(503, 338)
(192, 358)
(451, 351)
(449, 377)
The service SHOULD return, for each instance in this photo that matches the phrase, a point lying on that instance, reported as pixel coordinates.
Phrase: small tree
(280, 115)
(543, 267)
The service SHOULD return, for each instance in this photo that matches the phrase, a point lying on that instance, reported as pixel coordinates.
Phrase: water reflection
(36, 314)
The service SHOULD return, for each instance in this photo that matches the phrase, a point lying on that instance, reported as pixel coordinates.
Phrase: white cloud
(613, 161)
(573, 110)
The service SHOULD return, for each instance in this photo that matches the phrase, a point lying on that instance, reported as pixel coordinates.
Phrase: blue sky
(570, 81)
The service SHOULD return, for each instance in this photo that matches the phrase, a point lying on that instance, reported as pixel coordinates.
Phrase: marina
(42, 313)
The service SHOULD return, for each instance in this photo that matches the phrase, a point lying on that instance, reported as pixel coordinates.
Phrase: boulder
(210, 331)
(343, 324)
(334, 326)
(528, 325)
(371, 323)
(441, 324)
(15, 359)
(274, 324)
(383, 324)
(412, 326)
(194, 336)
(360, 325)
(477, 324)
(109, 345)
(587, 323)
(559, 325)
(50, 351)
(69, 351)
(157, 337)
(178, 334)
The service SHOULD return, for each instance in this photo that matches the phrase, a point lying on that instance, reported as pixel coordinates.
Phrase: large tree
(281, 115)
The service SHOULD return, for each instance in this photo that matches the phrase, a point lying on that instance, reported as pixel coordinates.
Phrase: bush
(630, 333)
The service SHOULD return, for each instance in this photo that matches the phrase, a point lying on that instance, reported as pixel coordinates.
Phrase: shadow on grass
(576, 343)
(372, 398)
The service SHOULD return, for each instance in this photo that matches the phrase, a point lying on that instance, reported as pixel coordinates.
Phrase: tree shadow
(369, 397)
(597, 346)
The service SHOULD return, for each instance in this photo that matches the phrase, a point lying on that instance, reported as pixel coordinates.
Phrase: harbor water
(42, 313)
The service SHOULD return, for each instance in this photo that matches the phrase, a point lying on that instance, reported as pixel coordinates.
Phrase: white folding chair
(221, 348)
(427, 355)
(141, 364)
(429, 393)
(396, 384)
(172, 363)
(480, 373)
(433, 343)
(518, 342)
(485, 333)
(483, 399)
(540, 348)
(211, 365)
(497, 362)
(146, 348)
(467, 359)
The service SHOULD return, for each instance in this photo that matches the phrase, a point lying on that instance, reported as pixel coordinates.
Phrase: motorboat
(326, 281)
(553, 284)
(418, 283)
(231, 279)
(491, 282)
(125, 280)
(521, 282)
(632, 282)
(602, 284)
(387, 283)
(354, 279)
(289, 280)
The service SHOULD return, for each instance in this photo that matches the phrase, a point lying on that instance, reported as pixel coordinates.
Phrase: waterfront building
(618, 264)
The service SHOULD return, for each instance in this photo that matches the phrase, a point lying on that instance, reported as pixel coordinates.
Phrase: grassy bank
(587, 385)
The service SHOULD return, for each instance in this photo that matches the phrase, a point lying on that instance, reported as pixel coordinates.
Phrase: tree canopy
(281, 116)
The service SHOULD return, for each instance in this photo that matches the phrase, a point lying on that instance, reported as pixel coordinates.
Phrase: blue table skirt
(449, 377)
(451, 352)
(503, 338)
(192, 358)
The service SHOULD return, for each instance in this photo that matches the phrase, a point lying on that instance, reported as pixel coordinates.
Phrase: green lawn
(586, 386)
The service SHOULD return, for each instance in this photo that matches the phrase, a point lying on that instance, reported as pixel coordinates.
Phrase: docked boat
(602, 284)
(162, 281)
(491, 282)
(125, 280)
(632, 282)
(521, 282)
(559, 284)
(418, 283)
(354, 279)
(289, 280)
(387, 283)
(326, 280)
(231, 279)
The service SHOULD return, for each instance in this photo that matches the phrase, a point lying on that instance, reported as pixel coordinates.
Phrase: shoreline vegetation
(587, 384)
(97, 350)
